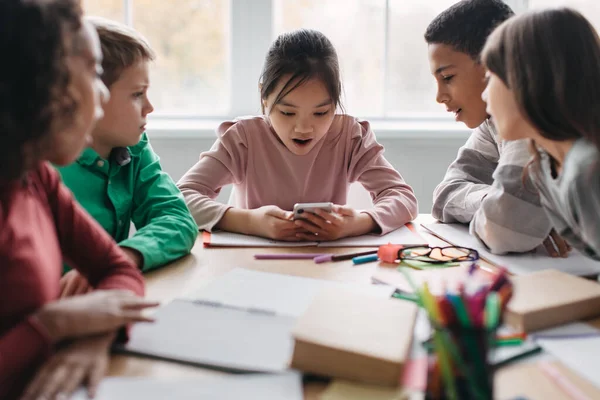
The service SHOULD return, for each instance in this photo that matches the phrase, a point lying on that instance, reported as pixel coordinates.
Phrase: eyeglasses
(438, 255)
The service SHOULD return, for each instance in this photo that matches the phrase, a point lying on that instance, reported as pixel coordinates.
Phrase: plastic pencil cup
(459, 366)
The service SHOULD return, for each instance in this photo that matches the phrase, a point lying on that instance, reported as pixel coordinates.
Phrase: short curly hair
(466, 25)
(35, 37)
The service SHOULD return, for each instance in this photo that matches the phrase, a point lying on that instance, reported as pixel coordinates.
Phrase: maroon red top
(40, 226)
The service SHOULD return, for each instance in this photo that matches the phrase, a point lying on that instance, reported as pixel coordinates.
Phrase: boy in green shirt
(119, 178)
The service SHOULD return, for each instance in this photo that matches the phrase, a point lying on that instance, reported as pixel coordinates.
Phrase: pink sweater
(249, 155)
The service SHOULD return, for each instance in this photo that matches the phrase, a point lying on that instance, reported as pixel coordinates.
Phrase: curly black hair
(34, 75)
(466, 25)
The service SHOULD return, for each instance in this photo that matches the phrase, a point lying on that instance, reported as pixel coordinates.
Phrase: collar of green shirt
(120, 155)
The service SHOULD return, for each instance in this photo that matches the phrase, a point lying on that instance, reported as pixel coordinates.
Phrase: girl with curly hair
(50, 98)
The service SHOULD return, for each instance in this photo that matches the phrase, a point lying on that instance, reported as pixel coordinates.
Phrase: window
(210, 52)
(190, 75)
(410, 88)
(357, 30)
(380, 44)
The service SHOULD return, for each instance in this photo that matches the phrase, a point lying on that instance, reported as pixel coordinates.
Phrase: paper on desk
(519, 264)
(437, 279)
(208, 335)
(230, 239)
(282, 294)
(264, 387)
(581, 355)
(344, 390)
(402, 235)
(572, 330)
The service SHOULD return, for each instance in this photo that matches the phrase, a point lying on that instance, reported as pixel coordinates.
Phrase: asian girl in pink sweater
(298, 151)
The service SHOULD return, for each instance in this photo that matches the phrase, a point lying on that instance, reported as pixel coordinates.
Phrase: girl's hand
(83, 361)
(101, 311)
(274, 223)
(342, 222)
(74, 284)
(556, 246)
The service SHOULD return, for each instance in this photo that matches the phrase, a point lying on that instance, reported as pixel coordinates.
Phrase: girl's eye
(322, 113)
(287, 114)
(448, 78)
(138, 94)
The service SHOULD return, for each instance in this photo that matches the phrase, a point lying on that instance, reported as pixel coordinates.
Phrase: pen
(341, 257)
(509, 342)
(287, 256)
(365, 259)
(520, 335)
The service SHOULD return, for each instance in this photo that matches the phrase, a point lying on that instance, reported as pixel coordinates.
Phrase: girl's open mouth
(302, 142)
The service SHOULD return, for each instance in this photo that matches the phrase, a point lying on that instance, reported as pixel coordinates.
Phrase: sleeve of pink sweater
(224, 164)
(394, 202)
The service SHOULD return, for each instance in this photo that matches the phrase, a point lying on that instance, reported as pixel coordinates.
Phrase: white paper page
(281, 294)
(572, 330)
(519, 264)
(582, 355)
(221, 337)
(264, 387)
(402, 235)
(225, 239)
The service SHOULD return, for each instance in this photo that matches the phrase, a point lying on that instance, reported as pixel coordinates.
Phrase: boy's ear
(480, 67)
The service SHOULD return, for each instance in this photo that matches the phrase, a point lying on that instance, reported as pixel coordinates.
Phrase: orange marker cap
(388, 253)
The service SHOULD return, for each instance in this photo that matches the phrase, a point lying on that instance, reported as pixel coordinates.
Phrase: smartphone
(303, 208)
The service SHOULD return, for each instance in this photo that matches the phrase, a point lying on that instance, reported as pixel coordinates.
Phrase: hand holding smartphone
(302, 208)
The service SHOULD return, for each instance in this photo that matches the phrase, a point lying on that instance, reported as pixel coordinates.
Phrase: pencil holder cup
(459, 366)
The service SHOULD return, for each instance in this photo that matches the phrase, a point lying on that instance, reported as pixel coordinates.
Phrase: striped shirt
(485, 187)
(572, 200)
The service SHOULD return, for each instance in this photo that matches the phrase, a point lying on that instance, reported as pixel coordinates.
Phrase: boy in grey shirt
(484, 186)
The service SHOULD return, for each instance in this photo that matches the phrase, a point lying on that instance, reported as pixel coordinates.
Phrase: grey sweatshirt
(484, 186)
(572, 200)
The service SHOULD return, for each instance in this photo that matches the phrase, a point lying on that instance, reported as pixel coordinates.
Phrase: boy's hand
(556, 246)
(74, 284)
(83, 362)
(274, 223)
(342, 222)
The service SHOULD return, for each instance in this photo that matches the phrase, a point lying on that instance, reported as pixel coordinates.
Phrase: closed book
(354, 336)
(550, 298)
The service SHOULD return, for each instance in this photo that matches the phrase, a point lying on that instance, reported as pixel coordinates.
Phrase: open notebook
(519, 264)
(404, 235)
(258, 386)
(241, 321)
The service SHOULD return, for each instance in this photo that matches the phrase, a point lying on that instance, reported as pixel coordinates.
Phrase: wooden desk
(205, 264)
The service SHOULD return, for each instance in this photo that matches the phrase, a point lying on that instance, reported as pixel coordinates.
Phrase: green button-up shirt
(118, 191)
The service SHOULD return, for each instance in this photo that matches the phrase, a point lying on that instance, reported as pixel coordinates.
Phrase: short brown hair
(122, 47)
(550, 60)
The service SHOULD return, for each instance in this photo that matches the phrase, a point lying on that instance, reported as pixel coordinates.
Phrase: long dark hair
(303, 54)
(550, 59)
(34, 76)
